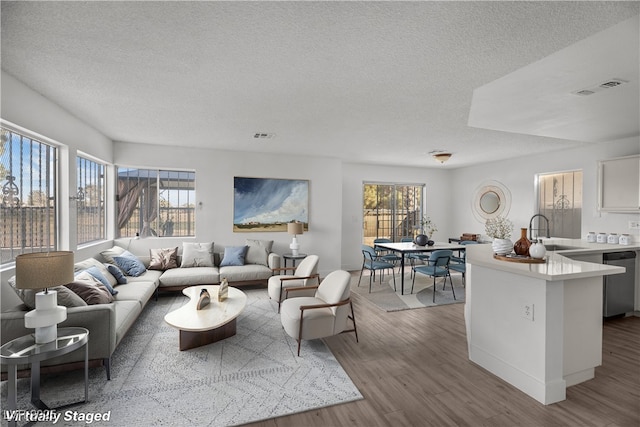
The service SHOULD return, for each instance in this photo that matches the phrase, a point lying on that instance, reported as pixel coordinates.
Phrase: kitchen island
(536, 326)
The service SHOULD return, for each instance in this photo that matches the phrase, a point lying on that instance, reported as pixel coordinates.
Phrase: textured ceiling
(368, 82)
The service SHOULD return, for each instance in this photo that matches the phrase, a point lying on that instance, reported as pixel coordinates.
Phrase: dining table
(404, 248)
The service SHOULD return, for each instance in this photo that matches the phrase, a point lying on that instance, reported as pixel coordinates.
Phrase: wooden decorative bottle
(521, 247)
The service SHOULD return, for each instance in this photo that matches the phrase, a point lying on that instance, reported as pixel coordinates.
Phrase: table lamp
(294, 228)
(43, 270)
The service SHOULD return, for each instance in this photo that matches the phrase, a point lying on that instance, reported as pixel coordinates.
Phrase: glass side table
(293, 258)
(25, 351)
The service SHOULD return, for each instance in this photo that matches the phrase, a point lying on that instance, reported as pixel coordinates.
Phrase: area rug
(384, 297)
(251, 376)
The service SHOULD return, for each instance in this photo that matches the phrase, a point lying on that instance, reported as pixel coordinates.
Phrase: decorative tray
(519, 258)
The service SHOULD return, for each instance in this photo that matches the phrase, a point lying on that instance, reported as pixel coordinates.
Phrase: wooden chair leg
(353, 319)
(300, 331)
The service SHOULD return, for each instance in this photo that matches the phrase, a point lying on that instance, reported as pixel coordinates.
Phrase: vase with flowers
(500, 228)
(427, 228)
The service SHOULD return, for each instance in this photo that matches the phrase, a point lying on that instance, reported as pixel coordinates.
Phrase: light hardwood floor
(412, 369)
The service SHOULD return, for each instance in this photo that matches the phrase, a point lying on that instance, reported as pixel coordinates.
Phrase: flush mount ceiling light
(441, 156)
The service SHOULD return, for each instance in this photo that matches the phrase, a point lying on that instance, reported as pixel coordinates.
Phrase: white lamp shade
(44, 269)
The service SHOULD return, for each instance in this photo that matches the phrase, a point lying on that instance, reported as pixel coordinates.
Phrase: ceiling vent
(600, 87)
(262, 135)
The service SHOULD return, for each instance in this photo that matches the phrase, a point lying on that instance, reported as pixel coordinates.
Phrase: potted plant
(427, 228)
(499, 228)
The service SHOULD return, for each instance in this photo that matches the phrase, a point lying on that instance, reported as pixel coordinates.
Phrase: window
(28, 206)
(391, 211)
(560, 200)
(156, 202)
(90, 201)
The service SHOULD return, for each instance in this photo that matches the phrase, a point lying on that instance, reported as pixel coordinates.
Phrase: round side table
(25, 351)
(293, 258)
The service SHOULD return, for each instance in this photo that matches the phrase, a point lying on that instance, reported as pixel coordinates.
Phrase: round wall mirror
(489, 202)
(491, 199)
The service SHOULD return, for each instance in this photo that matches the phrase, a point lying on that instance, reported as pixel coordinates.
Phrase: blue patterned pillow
(95, 272)
(117, 273)
(234, 255)
(130, 264)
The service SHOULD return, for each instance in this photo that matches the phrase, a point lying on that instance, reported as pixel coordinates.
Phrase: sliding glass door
(391, 211)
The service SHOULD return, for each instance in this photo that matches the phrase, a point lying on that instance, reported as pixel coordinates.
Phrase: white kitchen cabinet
(619, 184)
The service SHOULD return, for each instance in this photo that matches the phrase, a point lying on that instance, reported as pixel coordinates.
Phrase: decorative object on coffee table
(204, 300)
(223, 290)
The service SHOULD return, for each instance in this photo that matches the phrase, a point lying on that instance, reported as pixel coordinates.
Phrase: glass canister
(591, 237)
(612, 238)
(601, 238)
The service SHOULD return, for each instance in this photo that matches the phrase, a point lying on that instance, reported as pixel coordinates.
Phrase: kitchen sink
(555, 247)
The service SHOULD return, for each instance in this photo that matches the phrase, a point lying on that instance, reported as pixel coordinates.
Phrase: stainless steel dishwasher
(619, 289)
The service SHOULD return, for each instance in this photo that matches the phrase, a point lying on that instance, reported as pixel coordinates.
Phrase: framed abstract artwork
(269, 204)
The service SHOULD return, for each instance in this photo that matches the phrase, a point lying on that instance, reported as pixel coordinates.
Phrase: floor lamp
(42, 270)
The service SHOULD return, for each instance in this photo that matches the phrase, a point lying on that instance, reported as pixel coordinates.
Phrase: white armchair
(322, 315)
(306, 274)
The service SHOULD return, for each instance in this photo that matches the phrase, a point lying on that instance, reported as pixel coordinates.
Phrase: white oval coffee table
(213, 323)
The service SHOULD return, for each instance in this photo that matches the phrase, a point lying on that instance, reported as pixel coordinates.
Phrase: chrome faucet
(537, 229)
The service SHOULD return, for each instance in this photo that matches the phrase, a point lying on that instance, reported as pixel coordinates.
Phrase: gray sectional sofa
(109, 323)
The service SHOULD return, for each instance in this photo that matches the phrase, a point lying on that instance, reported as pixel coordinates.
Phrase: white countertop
(584, 247)
(557, 267)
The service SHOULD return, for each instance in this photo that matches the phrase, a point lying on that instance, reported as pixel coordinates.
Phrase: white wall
(214, 188)
(518, 176)
(23, 107)
(27, 108)
(438, 202)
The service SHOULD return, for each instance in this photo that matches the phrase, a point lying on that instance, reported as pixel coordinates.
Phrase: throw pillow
(117, 273)
(66, 297)
(113, 252)
(163, 259)
(95, 272)
(92, 262)
(130, 264)
(90, 290)
(197, 255)
(234, 255)
(258, 252)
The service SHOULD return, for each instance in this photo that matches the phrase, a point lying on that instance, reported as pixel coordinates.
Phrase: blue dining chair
(437, 266)
(370, 262)
(413, 257)
(383, 254)
(459, 264)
